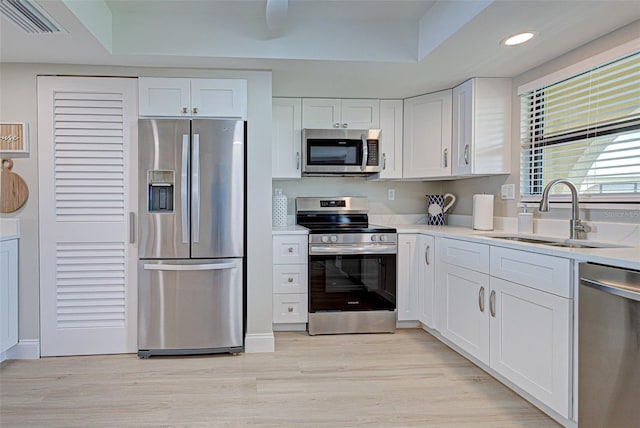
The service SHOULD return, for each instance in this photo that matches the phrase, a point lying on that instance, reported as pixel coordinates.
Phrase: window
(586, 129)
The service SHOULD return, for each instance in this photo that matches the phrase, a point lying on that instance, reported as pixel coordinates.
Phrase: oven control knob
(334, 238)
(373, 237)
(383, 238)
(325, 238)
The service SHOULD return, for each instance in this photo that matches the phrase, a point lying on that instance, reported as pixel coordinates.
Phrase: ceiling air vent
(28, 16)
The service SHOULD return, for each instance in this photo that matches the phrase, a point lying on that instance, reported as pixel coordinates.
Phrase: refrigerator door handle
(184, 188)
(206, 266)
(195, 187)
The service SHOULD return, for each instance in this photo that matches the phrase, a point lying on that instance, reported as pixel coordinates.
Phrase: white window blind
(587, 129)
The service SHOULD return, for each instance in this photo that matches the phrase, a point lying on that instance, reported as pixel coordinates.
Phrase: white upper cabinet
(391, 138)
(286, 140)
(322, 113)
(176, 97)
(482, 127)
(427, 136)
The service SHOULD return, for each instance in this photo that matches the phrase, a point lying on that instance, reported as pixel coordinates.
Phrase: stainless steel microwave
(341, 151)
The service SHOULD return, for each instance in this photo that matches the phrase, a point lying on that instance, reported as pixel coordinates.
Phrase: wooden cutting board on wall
(13, 189)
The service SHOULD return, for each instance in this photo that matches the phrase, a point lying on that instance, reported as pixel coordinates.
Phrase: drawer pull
(290, 249)
(481, 299)
(289, 280)
(290, 309)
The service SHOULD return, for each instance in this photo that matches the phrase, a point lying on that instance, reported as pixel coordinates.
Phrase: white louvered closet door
(87, 157)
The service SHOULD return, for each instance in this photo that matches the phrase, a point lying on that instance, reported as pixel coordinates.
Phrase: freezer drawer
(190, 306)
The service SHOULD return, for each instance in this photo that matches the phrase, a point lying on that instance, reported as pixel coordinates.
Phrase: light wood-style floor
(406, 379)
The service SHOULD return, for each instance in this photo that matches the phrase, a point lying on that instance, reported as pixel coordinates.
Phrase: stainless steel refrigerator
(191, 236)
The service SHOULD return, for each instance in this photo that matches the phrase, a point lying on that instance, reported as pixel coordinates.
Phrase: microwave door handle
(365, 152)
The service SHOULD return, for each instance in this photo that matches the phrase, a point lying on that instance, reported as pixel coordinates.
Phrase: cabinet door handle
(444, 156)
(481, 299)
(492, 303)
(297, 160)
(195, 110)
(466, 154)
(384, 161)
(184, 110)
(344, 125)
(336, 125)
(426, 255)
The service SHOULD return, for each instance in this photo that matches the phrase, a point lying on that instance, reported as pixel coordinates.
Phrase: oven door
(352, 282)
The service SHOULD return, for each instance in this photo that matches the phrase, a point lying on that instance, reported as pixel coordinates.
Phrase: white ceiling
(332, 48)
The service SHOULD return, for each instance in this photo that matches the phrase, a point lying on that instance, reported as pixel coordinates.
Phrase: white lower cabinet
(290, 281)
(530, 341)
(407, 278)
(425, 259)
(8, 295)
(416, 279)
(518, 331)
(464, 313)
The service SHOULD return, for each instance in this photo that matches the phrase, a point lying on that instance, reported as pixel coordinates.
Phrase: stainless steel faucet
(575, 224)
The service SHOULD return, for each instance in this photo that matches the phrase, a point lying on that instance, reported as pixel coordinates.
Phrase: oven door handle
(363, 249)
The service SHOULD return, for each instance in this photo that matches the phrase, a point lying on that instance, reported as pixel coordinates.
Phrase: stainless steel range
(352, 267)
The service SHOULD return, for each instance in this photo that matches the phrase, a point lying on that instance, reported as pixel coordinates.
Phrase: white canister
(483, 212)
(279, 206)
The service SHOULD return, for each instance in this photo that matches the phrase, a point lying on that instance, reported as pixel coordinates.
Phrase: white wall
(18, 103)
(409, 195)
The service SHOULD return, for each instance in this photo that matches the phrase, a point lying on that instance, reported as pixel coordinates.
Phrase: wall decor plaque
(14, 137)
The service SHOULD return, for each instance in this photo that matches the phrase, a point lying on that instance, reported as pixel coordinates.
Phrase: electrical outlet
(508, 191)
(391, 194)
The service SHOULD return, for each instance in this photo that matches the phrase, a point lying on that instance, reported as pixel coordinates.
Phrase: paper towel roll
(483, 212)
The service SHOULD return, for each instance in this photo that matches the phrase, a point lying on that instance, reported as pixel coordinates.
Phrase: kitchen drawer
(290, 249)
(540, 271)
(290, 278)
(470, 255)
(290, 308)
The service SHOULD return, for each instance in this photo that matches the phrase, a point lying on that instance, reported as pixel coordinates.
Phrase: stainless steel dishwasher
(608, 347)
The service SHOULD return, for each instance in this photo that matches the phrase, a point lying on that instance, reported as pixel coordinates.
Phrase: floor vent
(28, 16)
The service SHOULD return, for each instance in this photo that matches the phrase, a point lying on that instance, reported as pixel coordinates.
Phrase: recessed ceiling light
(516, 39)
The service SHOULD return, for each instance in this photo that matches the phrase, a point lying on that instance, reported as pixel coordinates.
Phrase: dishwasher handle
(628, 292)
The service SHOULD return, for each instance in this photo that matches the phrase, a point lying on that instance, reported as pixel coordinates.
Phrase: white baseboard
(26, 349)
(261, 342)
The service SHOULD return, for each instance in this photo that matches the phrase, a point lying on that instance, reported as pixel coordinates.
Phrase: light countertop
(292, 229)
(9, 229)
(627, 257)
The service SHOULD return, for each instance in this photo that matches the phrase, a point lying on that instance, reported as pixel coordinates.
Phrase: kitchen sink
(555, 242)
